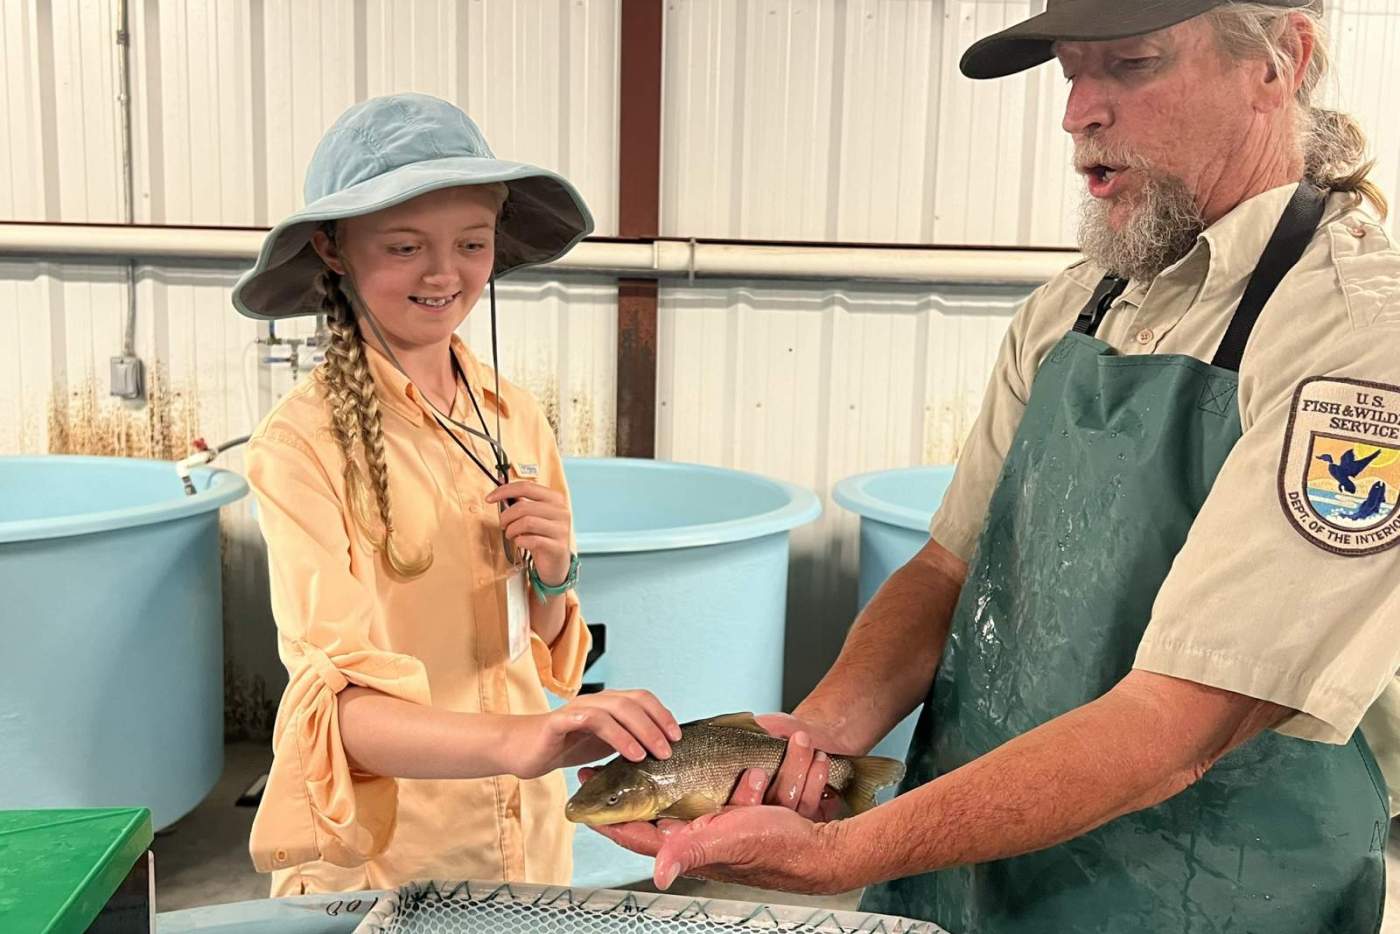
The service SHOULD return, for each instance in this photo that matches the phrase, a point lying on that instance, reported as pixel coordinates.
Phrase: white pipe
(123, 39)
(663, 259)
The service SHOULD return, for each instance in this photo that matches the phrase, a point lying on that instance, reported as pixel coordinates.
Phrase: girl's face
(420, 266)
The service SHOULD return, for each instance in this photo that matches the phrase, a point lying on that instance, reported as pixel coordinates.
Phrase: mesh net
(469, 907)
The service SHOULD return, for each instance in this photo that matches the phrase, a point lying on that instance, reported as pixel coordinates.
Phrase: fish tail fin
(871, 773)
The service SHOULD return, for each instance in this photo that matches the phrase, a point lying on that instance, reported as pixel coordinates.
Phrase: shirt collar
(397, 391)
(1226, 253)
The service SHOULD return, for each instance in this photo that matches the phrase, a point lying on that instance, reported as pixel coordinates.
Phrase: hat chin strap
(362, 312)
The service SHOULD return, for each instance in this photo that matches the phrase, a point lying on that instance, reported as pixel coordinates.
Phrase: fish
(1375, 499)
(703, 770)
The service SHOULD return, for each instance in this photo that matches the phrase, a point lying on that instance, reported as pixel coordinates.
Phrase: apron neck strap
(1094, 310)
(1290, 238)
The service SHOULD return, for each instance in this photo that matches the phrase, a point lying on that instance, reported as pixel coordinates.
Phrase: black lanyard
(502, 463)
(502, 476)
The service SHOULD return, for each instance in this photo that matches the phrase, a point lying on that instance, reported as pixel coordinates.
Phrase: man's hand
(768, 847)
(805, 773)
(747, 843)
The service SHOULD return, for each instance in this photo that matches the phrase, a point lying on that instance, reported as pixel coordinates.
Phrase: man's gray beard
(1162, 228)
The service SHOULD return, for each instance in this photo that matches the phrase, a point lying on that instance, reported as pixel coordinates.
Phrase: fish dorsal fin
(735, 721)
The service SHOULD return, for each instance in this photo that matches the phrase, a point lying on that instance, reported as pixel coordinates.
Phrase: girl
(418, 528)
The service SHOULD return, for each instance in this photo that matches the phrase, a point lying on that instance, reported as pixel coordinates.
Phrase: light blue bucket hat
(389, 150)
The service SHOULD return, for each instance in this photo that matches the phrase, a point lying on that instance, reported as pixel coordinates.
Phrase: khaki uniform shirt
(1253, 603)
(440, 640)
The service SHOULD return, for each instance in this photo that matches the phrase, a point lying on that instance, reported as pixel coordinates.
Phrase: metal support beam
(639, 214)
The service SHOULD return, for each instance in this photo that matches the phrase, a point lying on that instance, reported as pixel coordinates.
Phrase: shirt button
(474, 507)
(1145, 336)
(1357, 231)
(280, 856)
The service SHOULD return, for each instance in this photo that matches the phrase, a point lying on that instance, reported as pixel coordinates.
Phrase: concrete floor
(203, 859)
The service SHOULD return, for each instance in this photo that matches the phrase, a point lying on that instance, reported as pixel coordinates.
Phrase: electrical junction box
(128, 378)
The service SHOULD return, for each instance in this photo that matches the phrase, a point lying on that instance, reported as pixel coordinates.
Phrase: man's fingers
(810, 800)
(750, 790)
(690, 850)
(786, 790)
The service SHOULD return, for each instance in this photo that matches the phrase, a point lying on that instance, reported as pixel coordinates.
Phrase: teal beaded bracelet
(544, 591)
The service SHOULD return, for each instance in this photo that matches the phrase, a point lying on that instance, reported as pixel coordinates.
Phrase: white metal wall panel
(22, 58)
(814, 385)
(1365, 36)
(232, 97)
(62, 143)
(848, 121)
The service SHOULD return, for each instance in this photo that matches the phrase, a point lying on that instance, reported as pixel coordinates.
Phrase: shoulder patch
(1339, 474)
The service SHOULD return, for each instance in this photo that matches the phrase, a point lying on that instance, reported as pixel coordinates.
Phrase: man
(1155, 616)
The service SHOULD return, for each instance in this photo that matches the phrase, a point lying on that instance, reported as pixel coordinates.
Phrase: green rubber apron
(1110, 465)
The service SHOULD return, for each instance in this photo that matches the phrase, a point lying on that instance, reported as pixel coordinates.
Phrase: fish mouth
(589, 818)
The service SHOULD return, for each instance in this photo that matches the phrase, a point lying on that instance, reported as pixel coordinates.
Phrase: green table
(65, 871)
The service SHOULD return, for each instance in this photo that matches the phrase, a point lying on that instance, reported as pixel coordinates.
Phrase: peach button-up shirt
(343, 617)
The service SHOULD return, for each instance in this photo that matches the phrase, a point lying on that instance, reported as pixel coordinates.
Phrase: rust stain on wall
(163, 428)
(587, 434)
(947, 424)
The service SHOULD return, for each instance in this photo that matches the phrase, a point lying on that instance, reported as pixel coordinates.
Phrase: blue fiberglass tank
(895, 508)
(685, 567)
(112, 622)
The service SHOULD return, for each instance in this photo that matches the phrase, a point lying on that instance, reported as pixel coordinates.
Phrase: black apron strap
(1290, 238)
(1110, 287)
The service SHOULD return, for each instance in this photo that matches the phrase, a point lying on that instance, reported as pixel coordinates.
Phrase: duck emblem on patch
(1339, 477)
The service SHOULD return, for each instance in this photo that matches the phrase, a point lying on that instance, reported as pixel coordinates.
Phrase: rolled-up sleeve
(315, 805)
(561, 665)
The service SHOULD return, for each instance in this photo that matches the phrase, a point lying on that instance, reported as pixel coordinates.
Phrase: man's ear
(1297, 43)
(325, 247)
(1299, 40)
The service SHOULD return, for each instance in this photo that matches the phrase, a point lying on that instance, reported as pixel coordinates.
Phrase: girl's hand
(632, 723)
(539, 522)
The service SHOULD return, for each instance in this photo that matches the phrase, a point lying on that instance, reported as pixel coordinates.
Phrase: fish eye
(614, 798)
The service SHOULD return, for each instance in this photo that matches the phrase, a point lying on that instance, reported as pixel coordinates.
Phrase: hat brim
(1030, 42)
(543, 218)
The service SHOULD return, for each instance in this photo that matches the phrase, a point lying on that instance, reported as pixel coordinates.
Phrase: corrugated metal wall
(847, 120)
(812, 385)
(228, 102)
(836, 120)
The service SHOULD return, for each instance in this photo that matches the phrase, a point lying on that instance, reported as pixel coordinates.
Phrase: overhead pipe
(662, 259)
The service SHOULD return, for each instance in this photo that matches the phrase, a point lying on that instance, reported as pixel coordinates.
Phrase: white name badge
(517, 613)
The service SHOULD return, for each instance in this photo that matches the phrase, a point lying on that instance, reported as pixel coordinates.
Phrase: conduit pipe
(662, 259)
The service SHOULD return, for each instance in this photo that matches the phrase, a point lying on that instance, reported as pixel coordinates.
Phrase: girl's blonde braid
(355, 416)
